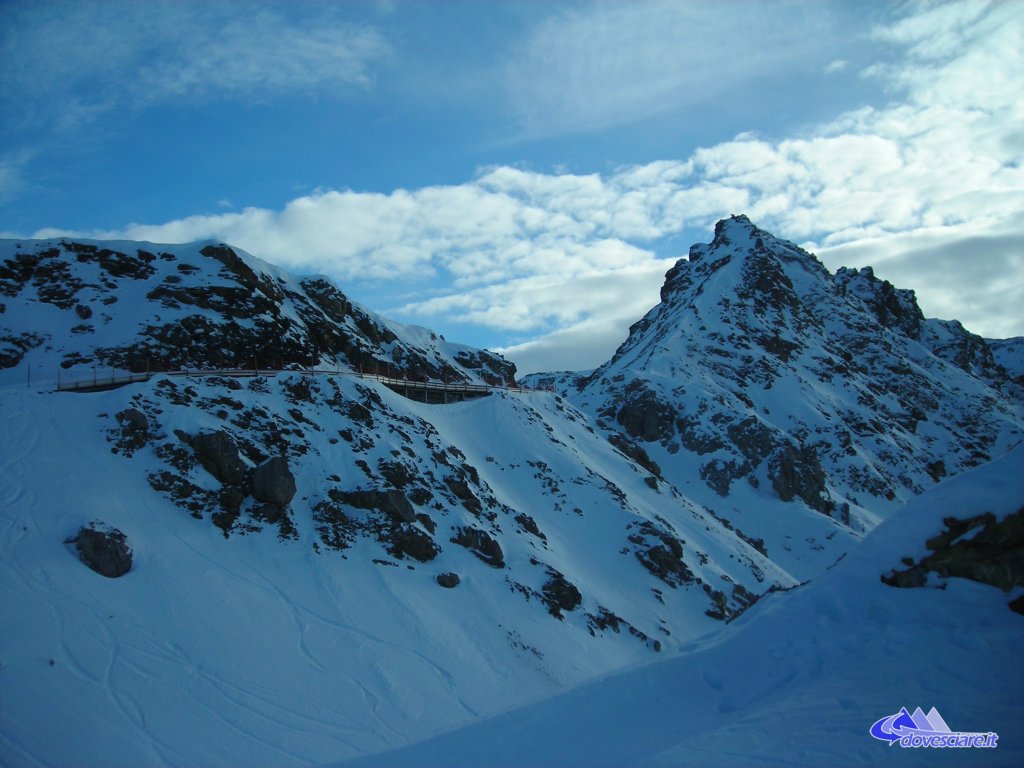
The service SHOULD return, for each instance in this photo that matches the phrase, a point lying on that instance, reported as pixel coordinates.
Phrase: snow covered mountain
(323, 567)
(140, 306)
(312, 553)
(763, 377)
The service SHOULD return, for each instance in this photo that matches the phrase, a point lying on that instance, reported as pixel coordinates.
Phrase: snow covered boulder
(106, 552)
(134, 428)
(448, 580)
(218, 454)
(393, 503)
(481, 544)
(409, 540)
(273, 482)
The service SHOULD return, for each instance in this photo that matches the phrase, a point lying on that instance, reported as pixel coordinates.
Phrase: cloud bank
(929, 190)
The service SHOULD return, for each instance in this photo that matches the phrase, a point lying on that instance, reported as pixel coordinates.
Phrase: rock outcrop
(273, 482)
(104, 551)
(218, 454)
(214, 307)
(481, 544)
(979, 548)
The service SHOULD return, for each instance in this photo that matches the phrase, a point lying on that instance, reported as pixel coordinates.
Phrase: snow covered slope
(143, 306)
(325, 569)
(762, 377)
(296, 537)
(799, 679)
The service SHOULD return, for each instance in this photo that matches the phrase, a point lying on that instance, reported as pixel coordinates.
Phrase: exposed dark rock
(465, 494)
(106, 552)
(664, 559)
(426, 521)
(269, 513)
(635, 452)
(481, 544)
(529, 525)
(273, 482)
(797, 473)
(719, 609)
(134, 428)
(114, 263)
(992, 554)
(335, 528)
(643, 415)
(393, 503)
(396, 473)
(409, 540)
(218, 454)
(778, 346)
(14, 346)
(937, 470)
(241, 271)
(719, 474)
(231, 499)
(754, 439)
(448, 580)
(666, 564)
(560, 594)
(894, 308)
(328, 298)
(696, 436)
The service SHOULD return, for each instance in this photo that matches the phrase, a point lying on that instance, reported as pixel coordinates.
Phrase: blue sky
(520, 175)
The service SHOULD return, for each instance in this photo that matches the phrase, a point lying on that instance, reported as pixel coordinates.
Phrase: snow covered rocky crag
(320, 567)
(130, 306)
(765, 378)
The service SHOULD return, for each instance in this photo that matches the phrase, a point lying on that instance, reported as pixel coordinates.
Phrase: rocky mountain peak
(766, 378)
(745, 264)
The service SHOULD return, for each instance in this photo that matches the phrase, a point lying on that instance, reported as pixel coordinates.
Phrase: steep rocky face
(139, 306)
(766, 378)
(1009, 353)
(946, 339)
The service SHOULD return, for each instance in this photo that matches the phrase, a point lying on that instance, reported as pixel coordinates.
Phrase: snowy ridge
(144, 306)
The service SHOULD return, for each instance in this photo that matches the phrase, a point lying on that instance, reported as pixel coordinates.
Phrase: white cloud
(596, 65)
(930, 190)
(63, 63)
